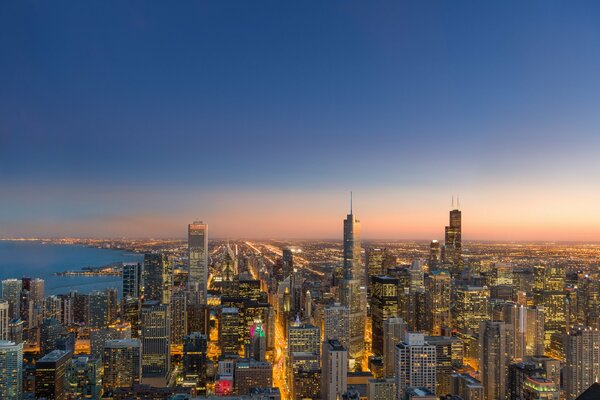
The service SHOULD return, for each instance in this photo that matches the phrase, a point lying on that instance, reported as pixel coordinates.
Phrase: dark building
(50, 375)
(158, 278)
(453, 242)
(194, 361)
(384, 304)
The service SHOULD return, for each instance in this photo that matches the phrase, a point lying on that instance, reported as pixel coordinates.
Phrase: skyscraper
(158, 277)
(132, 280)
(11, 370)
(415, 364)
(582, 351)
(394, 331)
(353, 293)
(336, 323)
(453, 240)
(194, 361)
(438, 288)
(122, 364)
(198, 256)
(156, 333)
(384, 305)
(493, 359)
(83, 377)
(11, 292)
(352, 248)
(334, 374)
(50, 375)
(4, 319)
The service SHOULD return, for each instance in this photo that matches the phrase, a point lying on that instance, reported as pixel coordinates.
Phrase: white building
(415, 364)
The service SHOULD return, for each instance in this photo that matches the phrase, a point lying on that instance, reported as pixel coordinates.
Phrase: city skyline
(132, 121)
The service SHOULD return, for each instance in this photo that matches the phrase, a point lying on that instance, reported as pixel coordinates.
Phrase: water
(35, 259)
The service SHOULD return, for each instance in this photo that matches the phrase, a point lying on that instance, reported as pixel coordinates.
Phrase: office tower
(158, 278)
(179, 318)
(258, 340)
(435, 254)
(250, 374)
(438, 288)
(418, 315)
(352, 248)
(81, 307)
(288, 261)
(415, 363)
(4, 319)
(336, 323)
(230, 331)
(50, 331)
(50, 375)
(198, 318)
(417, 274)
(384, 305)
(334, 370)
(99, 337)
(122, 359)
(306, 384)
(549, 292)
(198, 256)
(296, 282)
(453, 241)
(394, 330)
(502, 274)
(531, 326)
(155, 337)
(99, 316)
(471, 308)
(582, 353)
(16, 329)
(381, 389)
(229, 265)
(492, 358)
(83, 377)
(11, 370)
(448, 354)
(303, 369)
(194, 361)
(308, 306)
(130, 313)
(526, 380)
(132, 280)
(539, 387)
(11, 292)
(304, 338)
(378, 261)
(467, 387)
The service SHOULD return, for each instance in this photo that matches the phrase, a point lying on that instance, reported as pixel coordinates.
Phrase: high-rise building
(194, 361)
(449, 354)
(493, 359)
(230, 327)
(99, 309)
(471, 308)
(467, 387)
(381, 389)
(82, 377)
(4, 319)
(258, 341)
(122, 360)
(250, 373)
(453, 241)
(304, 338)
(179, 318)
(352, 249)
(384, 305)
(132, 280)
(50, 331)
(435, 254)
(11, 292)
(394, 331)
(50, 375)
(156, 333)
(582, 353)
(377, 263)
(11, 370)
(336, 323)
(158, 278)
(415, 364)
(198, 256)
(438, 288)
(549, 292)
(334, 373)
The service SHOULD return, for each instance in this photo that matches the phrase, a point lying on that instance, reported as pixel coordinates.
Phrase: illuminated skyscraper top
(352, 262)
(198, 256)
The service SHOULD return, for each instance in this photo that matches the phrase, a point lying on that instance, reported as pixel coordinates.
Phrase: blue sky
(157, 111)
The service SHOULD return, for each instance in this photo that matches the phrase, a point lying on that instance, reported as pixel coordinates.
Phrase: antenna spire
(457, 202)
(453, 202)
(350, 202)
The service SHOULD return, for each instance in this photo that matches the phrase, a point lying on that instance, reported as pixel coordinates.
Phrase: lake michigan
(35, 259)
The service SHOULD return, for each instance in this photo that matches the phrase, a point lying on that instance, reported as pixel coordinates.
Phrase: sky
(131, 119)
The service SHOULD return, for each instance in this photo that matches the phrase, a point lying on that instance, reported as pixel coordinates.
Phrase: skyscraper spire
(350, 202)
(457, 202)
(452, 202)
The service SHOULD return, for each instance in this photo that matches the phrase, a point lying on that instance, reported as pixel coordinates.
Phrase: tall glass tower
(453, 240)
(198, 254)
